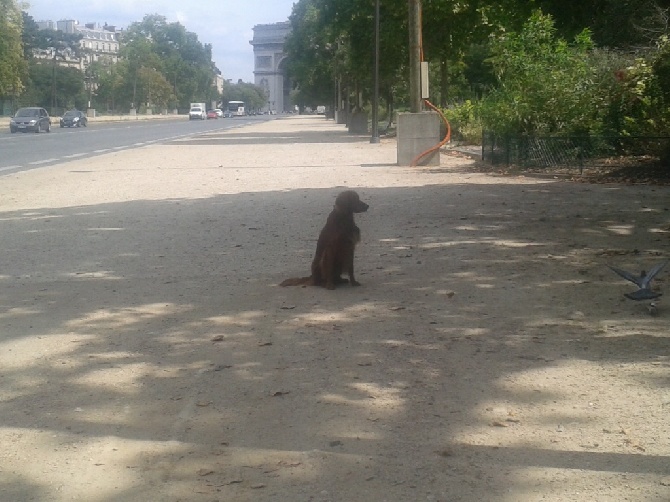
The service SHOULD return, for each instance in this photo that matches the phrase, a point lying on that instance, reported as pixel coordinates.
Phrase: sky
(226, 25)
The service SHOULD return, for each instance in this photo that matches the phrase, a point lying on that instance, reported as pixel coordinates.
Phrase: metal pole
(414, 56)
(53, 85)
(375, 81)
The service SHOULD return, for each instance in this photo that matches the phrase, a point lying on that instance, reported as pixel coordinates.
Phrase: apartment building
(97, 42)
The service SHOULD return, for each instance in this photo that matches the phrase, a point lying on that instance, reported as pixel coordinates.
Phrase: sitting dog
(335, 247)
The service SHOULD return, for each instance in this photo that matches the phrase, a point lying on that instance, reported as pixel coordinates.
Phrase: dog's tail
(297, 281)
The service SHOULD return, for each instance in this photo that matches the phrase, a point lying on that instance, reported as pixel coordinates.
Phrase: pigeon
(643, 282)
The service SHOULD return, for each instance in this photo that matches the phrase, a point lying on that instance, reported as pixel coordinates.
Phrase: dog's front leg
(352, 279)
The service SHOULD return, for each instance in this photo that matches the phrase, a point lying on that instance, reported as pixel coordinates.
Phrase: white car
(219, 113)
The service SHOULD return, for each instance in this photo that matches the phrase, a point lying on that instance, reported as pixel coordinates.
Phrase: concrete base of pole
(358, 123)
(340, 117)
(418, 132)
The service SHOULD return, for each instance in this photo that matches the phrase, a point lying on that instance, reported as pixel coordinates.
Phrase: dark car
(30, 119)
(74, 118)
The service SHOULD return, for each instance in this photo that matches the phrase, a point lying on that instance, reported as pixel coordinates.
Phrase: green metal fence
(572, 152)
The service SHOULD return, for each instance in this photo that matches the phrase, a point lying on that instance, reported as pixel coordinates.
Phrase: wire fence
(573, 152)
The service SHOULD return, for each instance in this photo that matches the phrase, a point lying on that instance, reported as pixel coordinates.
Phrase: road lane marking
(45, 161)
(167, 139)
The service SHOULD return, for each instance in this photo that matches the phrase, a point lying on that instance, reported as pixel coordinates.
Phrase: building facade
(269, 64)
(96, 42)
(99, 42)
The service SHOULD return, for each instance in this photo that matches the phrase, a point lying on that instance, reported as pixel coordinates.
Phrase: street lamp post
(375, 81)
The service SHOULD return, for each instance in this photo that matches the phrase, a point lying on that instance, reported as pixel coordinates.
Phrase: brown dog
(335, 247)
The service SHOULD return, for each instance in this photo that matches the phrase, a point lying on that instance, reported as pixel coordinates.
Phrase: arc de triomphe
(269, 61)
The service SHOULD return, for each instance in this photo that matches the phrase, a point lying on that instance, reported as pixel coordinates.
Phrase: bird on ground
(643, 282)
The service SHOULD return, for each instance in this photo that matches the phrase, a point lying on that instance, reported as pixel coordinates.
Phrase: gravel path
(147, 353)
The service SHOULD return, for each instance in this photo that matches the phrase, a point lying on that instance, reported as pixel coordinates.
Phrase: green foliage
(56, 39)
(545, 86)
(314, 54)
(112, 87)
(253, 95)
(614, 23)
(54, 87)
(158, 90)
(163, 66)
(333, 40)
(12, 63)
(640, 104)
(29, 36)
(465, 122)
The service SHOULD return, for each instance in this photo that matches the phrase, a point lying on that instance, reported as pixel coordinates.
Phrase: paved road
(22, 151)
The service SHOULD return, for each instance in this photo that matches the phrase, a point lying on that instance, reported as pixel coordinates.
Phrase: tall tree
(334, 38)
(167, 48)
(315, 68)
(12, 64)
(452, 27)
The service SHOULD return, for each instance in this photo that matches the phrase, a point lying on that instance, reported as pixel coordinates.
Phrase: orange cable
(447, 137)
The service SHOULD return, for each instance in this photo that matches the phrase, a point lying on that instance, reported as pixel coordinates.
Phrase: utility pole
(414, 56)
(375, 81)
(418, 131)
(53, 84)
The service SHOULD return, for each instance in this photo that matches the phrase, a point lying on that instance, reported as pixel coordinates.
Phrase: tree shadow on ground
(227, 137)
(149, 339)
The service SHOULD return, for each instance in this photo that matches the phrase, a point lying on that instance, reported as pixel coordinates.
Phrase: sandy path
(147, 353)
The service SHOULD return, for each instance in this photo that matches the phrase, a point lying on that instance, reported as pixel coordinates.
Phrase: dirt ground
(489, 355)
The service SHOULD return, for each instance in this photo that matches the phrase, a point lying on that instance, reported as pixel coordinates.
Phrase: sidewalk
(149, 355)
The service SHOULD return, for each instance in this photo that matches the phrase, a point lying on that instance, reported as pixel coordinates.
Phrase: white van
(197, 111)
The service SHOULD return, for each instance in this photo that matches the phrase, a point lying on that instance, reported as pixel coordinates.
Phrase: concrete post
(418, 132)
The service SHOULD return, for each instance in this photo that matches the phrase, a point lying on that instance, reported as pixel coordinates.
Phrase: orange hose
(447, 137)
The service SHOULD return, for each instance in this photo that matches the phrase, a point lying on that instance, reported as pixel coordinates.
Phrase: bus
(236, 108)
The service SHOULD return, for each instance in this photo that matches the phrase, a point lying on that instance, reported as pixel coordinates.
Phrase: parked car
(74, 118)
(30, 119)
(211, 114)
